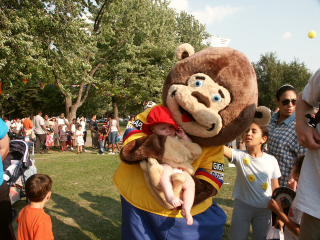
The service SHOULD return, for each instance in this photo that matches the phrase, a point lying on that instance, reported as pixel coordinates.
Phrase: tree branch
(105, 58)
(59, 83)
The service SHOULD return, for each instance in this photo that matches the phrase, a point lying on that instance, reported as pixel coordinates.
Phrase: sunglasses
(287, 101)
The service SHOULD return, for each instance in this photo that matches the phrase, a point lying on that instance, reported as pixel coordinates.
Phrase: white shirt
(308, 190)
(8, 123)
(63, 121)
(83, 124)
(294, 215)
(19, 125)
(38, 123)
(253, 181)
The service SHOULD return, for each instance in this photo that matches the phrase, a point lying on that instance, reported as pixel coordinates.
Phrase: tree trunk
(71, 110)
(115, 107)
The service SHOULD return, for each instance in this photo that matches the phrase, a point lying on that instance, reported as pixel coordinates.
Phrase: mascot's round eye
(216, 97)
(198, 83)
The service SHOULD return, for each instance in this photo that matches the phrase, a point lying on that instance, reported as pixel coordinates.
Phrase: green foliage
(127, 51)
(273, 73)
(191, 31)
(150, 32)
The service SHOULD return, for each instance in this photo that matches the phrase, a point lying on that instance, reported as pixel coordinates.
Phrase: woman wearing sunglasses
(283, 143)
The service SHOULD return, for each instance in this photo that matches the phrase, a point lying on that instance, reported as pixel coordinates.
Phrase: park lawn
(86, 205)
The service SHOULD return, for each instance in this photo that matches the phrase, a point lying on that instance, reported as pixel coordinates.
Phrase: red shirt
(100, 138)
(34, 224)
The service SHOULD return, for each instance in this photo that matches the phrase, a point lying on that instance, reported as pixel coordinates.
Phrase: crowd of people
(284, 150)
(48, 132)
(285, 153)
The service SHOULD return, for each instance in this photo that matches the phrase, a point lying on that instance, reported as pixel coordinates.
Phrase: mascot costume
(212, 95)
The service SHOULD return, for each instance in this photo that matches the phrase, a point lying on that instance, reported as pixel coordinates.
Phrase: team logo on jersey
(137, 124)
(217, 175)
(218, 166)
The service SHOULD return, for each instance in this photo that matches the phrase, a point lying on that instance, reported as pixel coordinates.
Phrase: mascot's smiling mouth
(187, 117)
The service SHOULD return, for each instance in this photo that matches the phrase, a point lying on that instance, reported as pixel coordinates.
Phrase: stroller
(18, 167)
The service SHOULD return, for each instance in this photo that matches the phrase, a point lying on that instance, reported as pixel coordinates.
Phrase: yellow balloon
(312, 34)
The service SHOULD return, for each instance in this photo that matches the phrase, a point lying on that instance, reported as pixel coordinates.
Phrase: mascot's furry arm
(161, 148)
(153, 171)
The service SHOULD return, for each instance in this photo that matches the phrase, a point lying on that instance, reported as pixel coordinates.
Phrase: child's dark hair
(283, 89)
(37, 187)
(265, 133)
(298, 164)
(79, 125)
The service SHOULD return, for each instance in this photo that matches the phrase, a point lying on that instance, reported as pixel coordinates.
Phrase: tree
(151, 31)
(127, 50)
(272, 74)
(191, 31)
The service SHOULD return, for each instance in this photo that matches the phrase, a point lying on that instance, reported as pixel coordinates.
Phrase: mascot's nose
(201, 98)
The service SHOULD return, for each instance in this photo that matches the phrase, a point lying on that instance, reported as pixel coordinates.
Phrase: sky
(258, 27)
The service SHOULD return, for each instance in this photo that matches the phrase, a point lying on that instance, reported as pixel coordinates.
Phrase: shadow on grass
(102, 225)
(224, 201)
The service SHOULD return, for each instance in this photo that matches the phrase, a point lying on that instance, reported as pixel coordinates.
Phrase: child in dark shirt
(62, 139)
(100, 141)
(69, 138)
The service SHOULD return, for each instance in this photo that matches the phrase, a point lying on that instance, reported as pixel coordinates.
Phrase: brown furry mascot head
(213, 94)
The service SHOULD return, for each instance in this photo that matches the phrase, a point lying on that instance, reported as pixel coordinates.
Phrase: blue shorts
(141, 225)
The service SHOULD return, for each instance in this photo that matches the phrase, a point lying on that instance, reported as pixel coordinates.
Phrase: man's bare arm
(307, 136)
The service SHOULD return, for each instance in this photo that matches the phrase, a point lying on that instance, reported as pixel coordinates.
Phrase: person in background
(293, 220)
(41, 132)
(63, 121)
(13, 126)
(7, 122)
(239, 141)
(84, 130)
(105, 128)
(114, 129)
(33, 222)
(100, 141)
(19, 126)
(308, 190)
(46, 121)
(62, 139)
(93, 125)
(283, 143)
(6, 230)
(28, 125)
(70, 135)
(73, 131)
(55, 128)
(257, 177)
(79, 138)
(129, 124)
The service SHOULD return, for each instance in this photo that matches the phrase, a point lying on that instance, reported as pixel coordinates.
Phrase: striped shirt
(283, 144)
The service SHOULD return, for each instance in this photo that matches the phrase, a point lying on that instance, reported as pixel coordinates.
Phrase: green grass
(86, 205)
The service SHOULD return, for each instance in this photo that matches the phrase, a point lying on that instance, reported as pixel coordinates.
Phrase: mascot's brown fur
(152, 170)
(212, 95)
(224, 106)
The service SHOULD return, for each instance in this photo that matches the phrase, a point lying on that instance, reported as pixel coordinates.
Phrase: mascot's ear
(183, 51)
(262, 116)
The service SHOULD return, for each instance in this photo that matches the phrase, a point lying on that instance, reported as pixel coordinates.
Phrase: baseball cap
(157, 115)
